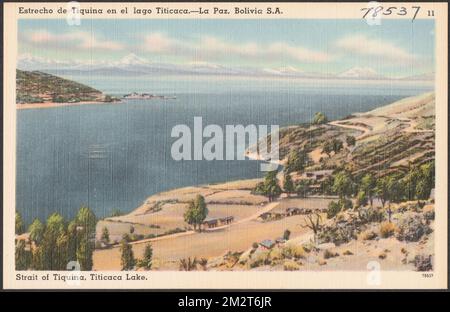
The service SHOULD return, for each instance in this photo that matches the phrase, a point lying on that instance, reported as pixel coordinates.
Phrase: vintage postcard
(225, 145)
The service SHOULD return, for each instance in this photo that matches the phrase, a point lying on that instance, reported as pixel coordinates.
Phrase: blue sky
(395, 48)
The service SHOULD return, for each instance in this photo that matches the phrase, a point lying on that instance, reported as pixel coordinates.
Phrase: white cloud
(376, 48)
(70, 40)
(209, 48)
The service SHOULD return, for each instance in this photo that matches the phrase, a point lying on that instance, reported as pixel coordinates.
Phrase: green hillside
(39, 87)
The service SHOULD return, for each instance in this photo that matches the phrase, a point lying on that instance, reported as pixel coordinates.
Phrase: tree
(382, 190)
(288, 185)
(410, 182)
(36, 230)
(201, 210)
(127, 260)
(271, 187)
(428, 173)
(105, 235)
(86, 223)
(86, 220)
(196, 212)
(350, 140)
(422, 191)
(337, 145)
(19, 224)
(326, 186)
(189, 214)
(333, 209)
(22, 257)
(286, 234)
(54, 250)
(146, 262)
(85, 251)
(296, 161)
(345, 203)
(73, 241)
(395, 187)
(343, 185)
(302, 188)
(361, 199)
(313, 224)
(37, 258)
(425, 181)
(319, 118)
(368, 185)
(327, 148)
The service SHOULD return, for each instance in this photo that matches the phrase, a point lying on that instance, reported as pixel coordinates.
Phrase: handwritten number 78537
(374, 12)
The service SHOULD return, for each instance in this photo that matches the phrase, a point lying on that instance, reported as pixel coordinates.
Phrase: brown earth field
(168, 250)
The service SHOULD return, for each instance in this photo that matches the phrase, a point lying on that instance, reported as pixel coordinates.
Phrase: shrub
(290, 265)
(387, 229)
(345, 204)
(275, 254)
(412, 228)
(333, 209)
(368, 214)
(293, 251)
(348, 253)
(368, 235)
(259, 259)
(428, 212)
(329, 254)
(423, 263)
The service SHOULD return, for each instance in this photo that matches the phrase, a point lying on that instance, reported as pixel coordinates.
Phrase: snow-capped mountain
(361, 73)
(132, 65)
(284, 71)
(132, 59)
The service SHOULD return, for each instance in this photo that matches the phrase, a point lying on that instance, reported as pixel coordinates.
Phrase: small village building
(215, 222)
(266, 216)
(293, 211)
(267, 244)
(210, 223)
(317, 175)
(226, 220)
(280, 241)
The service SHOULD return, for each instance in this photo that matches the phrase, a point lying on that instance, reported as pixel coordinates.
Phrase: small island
(36, 89)
(147, 96)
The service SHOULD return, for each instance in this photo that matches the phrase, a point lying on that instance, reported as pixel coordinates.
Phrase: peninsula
(36, 89)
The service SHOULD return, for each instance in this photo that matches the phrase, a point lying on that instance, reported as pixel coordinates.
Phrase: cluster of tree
(319, 118)
(416, 184)
(196, 212)
(269, 187)
(350, 140)
(53, 245)
(296, 161)
(335, 145)
(129, 262)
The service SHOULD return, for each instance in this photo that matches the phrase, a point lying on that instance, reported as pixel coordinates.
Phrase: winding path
(364, 130)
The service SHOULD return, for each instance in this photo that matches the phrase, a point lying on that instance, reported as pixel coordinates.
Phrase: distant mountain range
(132, 65)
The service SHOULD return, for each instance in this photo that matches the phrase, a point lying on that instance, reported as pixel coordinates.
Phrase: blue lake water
(115, 156)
